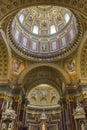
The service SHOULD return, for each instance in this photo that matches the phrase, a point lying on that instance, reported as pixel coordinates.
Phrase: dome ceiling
(43, 20)
(44, 31)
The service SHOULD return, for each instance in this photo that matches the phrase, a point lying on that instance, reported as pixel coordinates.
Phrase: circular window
(44, 32)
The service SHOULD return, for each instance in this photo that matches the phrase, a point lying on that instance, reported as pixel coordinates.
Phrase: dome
(42, 21)
(44, 31)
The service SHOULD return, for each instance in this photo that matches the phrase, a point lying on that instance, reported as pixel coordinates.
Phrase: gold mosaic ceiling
(44, 32)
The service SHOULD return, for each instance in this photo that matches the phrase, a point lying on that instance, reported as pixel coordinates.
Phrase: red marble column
(85, 106)
(63, 120)
(22, 117)
(1, 105)
(16, 107)
(70, 109)
(67, 118)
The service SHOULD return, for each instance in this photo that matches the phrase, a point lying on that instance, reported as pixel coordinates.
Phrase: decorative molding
(17, 99)
(7, 6)
(48, 58)
(5, 96)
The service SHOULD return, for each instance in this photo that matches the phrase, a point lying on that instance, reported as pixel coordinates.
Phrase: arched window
(24, 41)
(52, 29)
(17, 34)
(54, 47)
(63, 42)
(71, 33)
(67, 17)
(21, 18)
(34, 45)
(35, 29)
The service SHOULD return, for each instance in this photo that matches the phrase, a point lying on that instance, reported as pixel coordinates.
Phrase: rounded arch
(5, 58)
(54, 66)
(82, 58)
(54, 100)
(33, 100)
(49, 82)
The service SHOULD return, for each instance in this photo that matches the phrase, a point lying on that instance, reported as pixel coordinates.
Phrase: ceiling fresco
(44, 30)
(44, 33)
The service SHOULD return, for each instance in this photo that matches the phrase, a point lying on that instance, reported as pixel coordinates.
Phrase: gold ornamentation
(6, 6)
(17, 65)
(3, 60)
(83, 60)
(17, 99)
(5, 96)
(84, 95)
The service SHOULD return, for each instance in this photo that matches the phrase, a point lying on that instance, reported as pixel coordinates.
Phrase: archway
(5, 60)
(49, 65)
(82, 59)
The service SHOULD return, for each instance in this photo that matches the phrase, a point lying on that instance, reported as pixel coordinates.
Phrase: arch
(52, 65)
(5, 59)
(82, 58)
(46, 81)
(54, 100)
(43, 101)
(33, 100)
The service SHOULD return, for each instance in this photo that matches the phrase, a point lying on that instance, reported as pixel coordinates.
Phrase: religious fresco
(17, 65)
(71, 65)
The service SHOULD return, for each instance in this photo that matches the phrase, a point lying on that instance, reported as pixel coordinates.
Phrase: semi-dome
(44, 31)
(43, 95)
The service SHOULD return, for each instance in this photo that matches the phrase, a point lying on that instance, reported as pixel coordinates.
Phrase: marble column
(67, 118)
(70, 109)
(63, 120)
(85, 106)
(22, 117)
(1, 106)
(16, 107)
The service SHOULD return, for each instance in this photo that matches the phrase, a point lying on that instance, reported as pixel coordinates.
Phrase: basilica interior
(43, 65)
